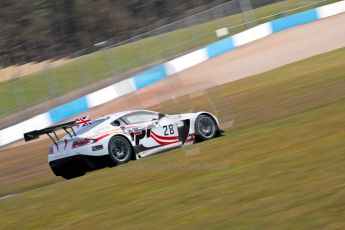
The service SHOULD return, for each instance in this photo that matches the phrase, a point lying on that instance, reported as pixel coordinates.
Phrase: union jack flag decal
(83, 121)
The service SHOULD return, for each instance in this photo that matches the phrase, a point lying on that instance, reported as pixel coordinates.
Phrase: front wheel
(120, 150)
(205, 127)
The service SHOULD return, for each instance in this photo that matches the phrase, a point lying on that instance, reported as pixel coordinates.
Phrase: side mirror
(161, 115)
(116, 123)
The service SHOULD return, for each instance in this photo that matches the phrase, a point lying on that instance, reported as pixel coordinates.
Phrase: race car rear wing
(52, 130)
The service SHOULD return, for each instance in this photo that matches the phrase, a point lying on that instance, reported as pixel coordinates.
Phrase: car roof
(120, 114)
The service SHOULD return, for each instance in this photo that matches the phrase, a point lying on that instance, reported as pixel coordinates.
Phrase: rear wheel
(205, 127)
(120, 151)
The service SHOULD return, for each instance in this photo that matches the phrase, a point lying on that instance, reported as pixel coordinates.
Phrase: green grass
(24, 92)
(281, 166)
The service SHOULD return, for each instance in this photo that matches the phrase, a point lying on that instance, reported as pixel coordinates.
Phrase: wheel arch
(214, 118)
(133, 157)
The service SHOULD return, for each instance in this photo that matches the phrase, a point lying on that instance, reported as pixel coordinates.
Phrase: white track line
(8, 196)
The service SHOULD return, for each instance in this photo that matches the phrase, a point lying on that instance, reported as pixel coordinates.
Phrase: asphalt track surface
(257, 57)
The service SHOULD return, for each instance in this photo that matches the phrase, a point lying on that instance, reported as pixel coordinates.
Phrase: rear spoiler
(51, 130)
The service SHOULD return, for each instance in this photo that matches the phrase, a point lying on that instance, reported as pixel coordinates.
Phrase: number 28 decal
(168, 130)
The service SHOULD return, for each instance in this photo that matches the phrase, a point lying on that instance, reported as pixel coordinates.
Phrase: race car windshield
(139, 117)
(93, 124)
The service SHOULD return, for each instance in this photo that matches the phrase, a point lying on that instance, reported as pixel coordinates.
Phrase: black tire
(120, 151)
(205, 127)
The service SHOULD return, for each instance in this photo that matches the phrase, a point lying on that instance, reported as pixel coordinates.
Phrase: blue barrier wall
(220, 47)
(294, 20)
(69, 109)
(149, 77)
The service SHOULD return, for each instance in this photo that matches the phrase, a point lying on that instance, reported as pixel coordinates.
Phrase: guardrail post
(247, 12)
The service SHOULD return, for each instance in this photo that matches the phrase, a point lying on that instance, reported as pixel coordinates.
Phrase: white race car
(117, 138)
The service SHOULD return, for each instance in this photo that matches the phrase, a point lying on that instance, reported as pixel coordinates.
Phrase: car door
(165, 132)
(151, 132)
